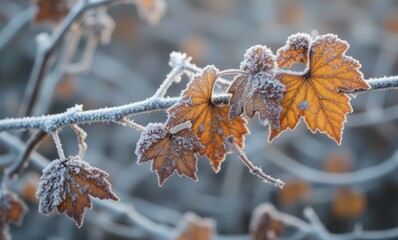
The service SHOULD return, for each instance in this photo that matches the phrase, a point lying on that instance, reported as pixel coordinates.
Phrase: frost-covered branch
(52, 122)
(382, 83)
(76, 115)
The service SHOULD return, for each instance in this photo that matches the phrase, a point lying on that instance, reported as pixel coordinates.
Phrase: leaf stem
(58, 145)
(257, 171)
(128, 123)
(81, 138)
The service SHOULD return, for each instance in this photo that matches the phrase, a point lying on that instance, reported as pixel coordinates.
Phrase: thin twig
(231, 145)
(45, 51)
(128, 123)
(231, 72)
(58, 145)
(23, 158)
(168, 81)
(81, 139)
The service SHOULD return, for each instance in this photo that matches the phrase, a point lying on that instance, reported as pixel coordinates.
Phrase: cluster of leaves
(263, 85)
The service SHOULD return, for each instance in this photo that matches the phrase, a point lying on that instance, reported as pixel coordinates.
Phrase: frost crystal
(258, 58)
(65, 185)
(169, 151)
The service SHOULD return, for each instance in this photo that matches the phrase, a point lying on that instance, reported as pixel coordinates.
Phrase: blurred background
(354, 183)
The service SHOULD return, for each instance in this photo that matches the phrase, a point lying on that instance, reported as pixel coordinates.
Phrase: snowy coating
(169, 152)
(67, 181)
(258, 58)
(295, 50)
(297, 41)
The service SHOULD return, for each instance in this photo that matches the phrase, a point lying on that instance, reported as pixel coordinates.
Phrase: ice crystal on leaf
(169, 152)
(257, 91)
(210, 122)
(316, 94)
(294, 51)
(67, 186)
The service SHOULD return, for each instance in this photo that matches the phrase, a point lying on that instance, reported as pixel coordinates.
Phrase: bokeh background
(134, 64)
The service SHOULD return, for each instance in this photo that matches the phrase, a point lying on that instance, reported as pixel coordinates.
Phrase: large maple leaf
(210, 122)
(169, 152)
(66, 185)
(316, 94)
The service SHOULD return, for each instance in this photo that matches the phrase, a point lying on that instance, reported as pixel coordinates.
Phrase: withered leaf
(193, 227)
(67, 186)
(315, 94)
(169, 152)
(210, 122)
(348, 203)
(257, 91)
(12, 208)
(294, 51)
(266, 223)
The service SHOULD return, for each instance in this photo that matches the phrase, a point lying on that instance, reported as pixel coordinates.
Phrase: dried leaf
(348, 203)
(12, 208)
(169, 152)
(151, 10)
(265, 223)
(209, 122)
(315, 94)
(52, 10)
(193, 227)
(294, 51)
(66, 185)
(257, 91)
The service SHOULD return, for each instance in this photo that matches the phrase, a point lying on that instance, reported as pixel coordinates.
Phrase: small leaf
(193, 227)
(52, 10)
(315, 94)
(209, 122)
(169, 152)
(66, 185)
(265, 223)
(12, 208)
(294, 51)
(257, 91)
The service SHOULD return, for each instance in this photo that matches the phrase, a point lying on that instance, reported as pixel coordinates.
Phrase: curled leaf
(294, 51)
(315, 94)
(67, 186)
(210, 122)
(169, 152)
(257, 91)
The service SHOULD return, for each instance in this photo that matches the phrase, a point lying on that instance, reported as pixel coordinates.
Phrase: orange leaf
(348, 203)
(315, 94)
(66, 185)
(294, 51)
(169, 152)
(193, 227)
(52, 10)
(209, 122)
(257, 91)
(12, 208)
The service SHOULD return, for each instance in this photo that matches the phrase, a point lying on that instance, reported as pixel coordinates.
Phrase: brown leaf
(12, 208)
(169, 152)
(265, 223)
(257, 91)
(52, 10)
(209, 122)
(315, 93)
(193, 227)
(294, 51)
(348, 203)
(66, 185)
